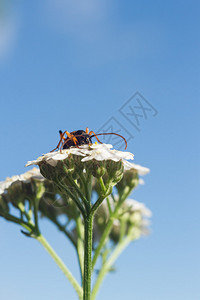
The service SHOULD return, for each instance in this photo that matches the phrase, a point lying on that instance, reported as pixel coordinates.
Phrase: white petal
(31, 162)
(98, 152)
(101, 146)
(52, 162)
(138, 206)
(58, 156)
(122, 155)
(140, 169)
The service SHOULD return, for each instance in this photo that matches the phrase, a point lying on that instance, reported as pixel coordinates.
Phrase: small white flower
(97, 146)
(138, 206)
(135, 214)
(140, 169)
(102, 152)
(98, 152)
(141, 181)
(116, 223)
(26, 177)
(131, 204)
(53, 157)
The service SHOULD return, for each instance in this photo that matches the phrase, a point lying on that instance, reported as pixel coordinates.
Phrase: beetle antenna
(105, 133)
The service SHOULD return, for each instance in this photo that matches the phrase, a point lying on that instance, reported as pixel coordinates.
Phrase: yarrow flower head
(97, 159)
(78, 171)
(99, 152)
(102, 152)
(17, 179)
(18, 189)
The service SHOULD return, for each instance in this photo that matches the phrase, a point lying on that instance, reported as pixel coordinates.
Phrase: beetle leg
(61, 141)
(72, 137)
(87, 130)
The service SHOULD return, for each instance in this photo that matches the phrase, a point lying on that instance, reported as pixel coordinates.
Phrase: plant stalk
(87, 257)
(61, 265)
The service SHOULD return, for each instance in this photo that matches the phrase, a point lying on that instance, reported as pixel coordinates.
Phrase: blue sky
(71, 64)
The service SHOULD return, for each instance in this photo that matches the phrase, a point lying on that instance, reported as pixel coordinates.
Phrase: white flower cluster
(140, 169)
(26, 177)
(95, 151)
(135, 213)
(134, 206)
(130, 204)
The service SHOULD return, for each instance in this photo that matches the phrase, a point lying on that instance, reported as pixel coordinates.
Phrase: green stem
(35, 201)
(87, 257)
(30, 209)
(102, 241)
(108, 264)
(102, 185)
(13, 219)
(78, 190)
(61, 265)
(22, 209)
(109, 206)
(97, 204)
(89, 186)
(106, 192)
(85, 186)
(123, 227)
(109, 225)
(35, 212)
(80, 244)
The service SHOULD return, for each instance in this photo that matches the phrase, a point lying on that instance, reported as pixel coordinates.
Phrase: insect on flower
(80, 137)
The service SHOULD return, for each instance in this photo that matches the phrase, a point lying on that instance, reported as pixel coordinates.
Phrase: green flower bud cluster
(72, 167)
(130, 180)
(4, 208)
(115, 171)
(130, 220)
(22, 193)
(96, 168)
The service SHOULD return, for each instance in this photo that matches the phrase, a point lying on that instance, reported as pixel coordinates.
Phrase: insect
(80, 137)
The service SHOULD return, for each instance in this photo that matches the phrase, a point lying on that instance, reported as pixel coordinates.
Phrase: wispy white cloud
(9, 28)
(95, 27)
(76, 17)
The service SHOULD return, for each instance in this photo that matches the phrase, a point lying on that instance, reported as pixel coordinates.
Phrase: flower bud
(4, 208)
(48, 171)
(114, 170)
(97, 168)
(115, 233)
(130, 179)
(15, 194)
